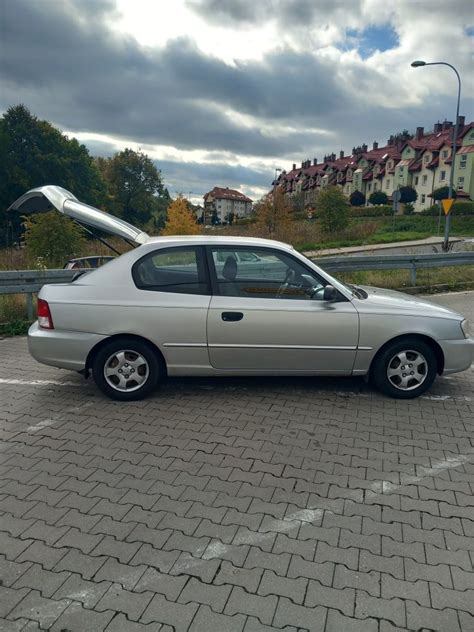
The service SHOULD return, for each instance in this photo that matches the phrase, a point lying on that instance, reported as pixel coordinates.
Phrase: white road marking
(37, 382)
(45, 423)
(448, 463)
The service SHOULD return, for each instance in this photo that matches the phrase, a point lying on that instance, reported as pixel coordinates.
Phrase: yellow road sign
(447, 204)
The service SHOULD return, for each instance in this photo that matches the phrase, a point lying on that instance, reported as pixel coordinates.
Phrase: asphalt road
(235, 504)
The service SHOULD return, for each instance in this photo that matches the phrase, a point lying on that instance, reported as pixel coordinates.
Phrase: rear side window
(179, 270)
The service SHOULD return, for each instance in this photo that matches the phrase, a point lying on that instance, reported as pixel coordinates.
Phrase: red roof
(465, 150)
(219, 193)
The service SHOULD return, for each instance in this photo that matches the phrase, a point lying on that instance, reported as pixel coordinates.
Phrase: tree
(443, 193)
(378, 197)
(297, 201)
(408, 195)
(135, 186)
(273, 213)
(333, 210)
(34, 153)
(51, 239)
(357, 199)
(180, 219)
(229, 218)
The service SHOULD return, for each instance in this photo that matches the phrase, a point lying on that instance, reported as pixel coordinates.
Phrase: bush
(378, 197)
(408, 195)
(357, 199)
(244, 221)
(459, 208)
(408, 209)
(463, 208)
(383, 210)
(442, 193)
(332, 210)
(51, 239)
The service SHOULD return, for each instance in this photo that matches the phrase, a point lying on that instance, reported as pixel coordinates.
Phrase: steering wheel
(289, 278)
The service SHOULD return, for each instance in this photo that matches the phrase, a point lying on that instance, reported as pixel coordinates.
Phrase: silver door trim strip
(310, 347)
(239, 346)
(185, 344)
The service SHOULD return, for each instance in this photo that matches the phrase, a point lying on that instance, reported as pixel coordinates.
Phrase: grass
(427, 279)
(13, 319)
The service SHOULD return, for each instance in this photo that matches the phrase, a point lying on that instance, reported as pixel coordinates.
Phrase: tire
(405, 368)
(127, 369)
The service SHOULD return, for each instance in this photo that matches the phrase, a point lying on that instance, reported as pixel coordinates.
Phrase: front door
(268, 314)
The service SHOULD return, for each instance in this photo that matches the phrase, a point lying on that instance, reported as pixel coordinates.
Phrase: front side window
(463, 162)
(425, 179)
(262, 273)
(180, 270)
(442, 175)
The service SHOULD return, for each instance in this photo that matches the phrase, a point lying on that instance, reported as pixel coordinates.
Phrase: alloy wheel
(407, 370)
(126, 370)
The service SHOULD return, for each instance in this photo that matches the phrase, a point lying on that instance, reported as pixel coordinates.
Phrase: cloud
(327, 79)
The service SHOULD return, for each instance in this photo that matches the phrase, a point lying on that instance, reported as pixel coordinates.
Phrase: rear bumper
(63, 349)
(458, 354)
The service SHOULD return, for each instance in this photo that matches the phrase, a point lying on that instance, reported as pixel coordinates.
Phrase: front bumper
(458, 354)
(63, 349)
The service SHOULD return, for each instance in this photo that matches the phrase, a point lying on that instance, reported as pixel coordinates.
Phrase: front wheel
(405, 369)
(127, 369)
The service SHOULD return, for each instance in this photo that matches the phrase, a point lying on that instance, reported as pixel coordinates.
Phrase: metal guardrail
(394, 262)
(31, 281)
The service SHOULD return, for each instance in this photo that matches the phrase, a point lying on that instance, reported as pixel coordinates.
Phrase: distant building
(219, 202)
(422, 161)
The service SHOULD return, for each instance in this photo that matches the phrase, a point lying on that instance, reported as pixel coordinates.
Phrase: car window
(262, 273)
(180, 270)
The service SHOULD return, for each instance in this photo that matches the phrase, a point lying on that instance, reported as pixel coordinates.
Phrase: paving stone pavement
(235, 504)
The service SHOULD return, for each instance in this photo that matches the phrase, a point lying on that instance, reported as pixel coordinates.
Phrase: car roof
(215, 240)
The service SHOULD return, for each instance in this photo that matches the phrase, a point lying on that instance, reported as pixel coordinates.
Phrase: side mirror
(330, 293)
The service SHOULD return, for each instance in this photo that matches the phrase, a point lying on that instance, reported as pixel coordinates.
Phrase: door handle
(232, 316)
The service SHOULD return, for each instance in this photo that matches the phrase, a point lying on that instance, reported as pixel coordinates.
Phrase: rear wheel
(127, 369)
(405, 369)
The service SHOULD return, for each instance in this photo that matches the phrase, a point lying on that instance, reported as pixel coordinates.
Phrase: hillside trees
(34, 153)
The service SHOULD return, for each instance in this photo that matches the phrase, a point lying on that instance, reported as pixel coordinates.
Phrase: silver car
(225, 306)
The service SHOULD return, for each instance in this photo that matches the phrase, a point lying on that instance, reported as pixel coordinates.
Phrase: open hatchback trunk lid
(50, 197)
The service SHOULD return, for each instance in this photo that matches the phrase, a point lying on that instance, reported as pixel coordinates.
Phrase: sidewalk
(428, 241)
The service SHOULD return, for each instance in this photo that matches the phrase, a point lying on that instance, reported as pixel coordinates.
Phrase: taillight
(44, 315)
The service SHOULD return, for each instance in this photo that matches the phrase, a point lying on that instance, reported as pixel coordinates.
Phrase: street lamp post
(418, 64)
(277, 169)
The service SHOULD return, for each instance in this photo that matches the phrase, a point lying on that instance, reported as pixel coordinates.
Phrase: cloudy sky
(221, 92)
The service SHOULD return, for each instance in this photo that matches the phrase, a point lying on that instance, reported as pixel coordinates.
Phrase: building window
(442, 175)
(423, 198)
(425, 179)
(417, 179)
(460, 182)
(400, 175)
(463, 163)
(426, 158)
(445, 153)
(369, 186)
(387, 184)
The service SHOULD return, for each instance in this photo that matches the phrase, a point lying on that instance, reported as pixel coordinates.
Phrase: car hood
(391, 301)
(45, 198)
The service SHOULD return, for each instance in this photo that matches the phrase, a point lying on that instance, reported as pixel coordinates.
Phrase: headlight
(465, 328)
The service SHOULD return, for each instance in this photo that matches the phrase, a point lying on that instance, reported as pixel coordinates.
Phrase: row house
(422, 161)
